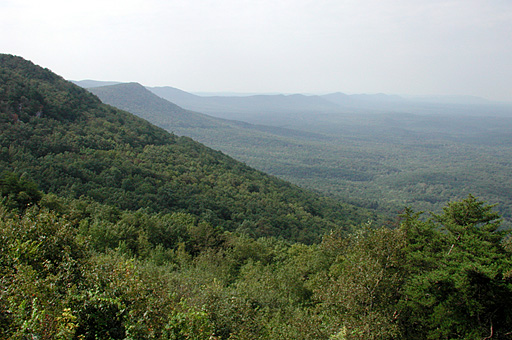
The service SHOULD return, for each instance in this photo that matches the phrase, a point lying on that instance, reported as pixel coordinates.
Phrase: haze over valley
(380, 151)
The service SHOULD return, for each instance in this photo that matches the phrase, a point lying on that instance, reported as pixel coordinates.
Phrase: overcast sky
(354, 46)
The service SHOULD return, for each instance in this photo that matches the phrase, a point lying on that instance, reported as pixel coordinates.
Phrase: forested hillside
(112, 228)
(64, 139)
(383, 161)
(134, 98)
(238, 138)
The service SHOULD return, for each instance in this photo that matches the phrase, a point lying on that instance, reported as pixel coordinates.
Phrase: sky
(435, 47)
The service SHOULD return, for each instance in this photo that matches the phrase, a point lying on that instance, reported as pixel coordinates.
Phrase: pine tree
(457, 286)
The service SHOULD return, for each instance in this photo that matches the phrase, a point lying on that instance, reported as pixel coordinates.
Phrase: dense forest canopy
(383, 153)
(111, 228)
(63, 138)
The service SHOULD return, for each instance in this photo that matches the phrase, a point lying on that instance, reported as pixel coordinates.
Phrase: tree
(362, 287)
(19, 192)
(457, 285)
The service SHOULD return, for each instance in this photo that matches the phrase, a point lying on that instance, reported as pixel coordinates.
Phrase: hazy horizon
(458, 99)
(441, 47)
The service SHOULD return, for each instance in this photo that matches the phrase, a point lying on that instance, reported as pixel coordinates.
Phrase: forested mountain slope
(132, 97)
(138, 100)
(144, 251)
(380, 160)
(64, 139)
(236, 138)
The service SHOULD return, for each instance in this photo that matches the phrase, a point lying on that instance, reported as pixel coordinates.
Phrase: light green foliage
(188, 325)
(379, 283)
(362, 286)
(41, 263)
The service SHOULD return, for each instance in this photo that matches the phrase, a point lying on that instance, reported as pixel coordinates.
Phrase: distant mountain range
(133, 97)
(88, 83)
(366, 153)
(262, 109)
(137, 99)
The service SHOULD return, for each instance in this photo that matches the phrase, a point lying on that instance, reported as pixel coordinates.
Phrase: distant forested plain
(380, 152)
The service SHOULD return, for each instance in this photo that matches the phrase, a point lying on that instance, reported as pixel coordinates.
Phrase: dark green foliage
(459, 284)
(100, 319)
(147, 235)
(25, 92)
(18, 193)
(75, 146)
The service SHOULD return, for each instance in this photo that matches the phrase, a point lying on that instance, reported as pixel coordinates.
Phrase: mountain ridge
(260, 108)
(133, 97)
(383, 160)
(75, 146)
